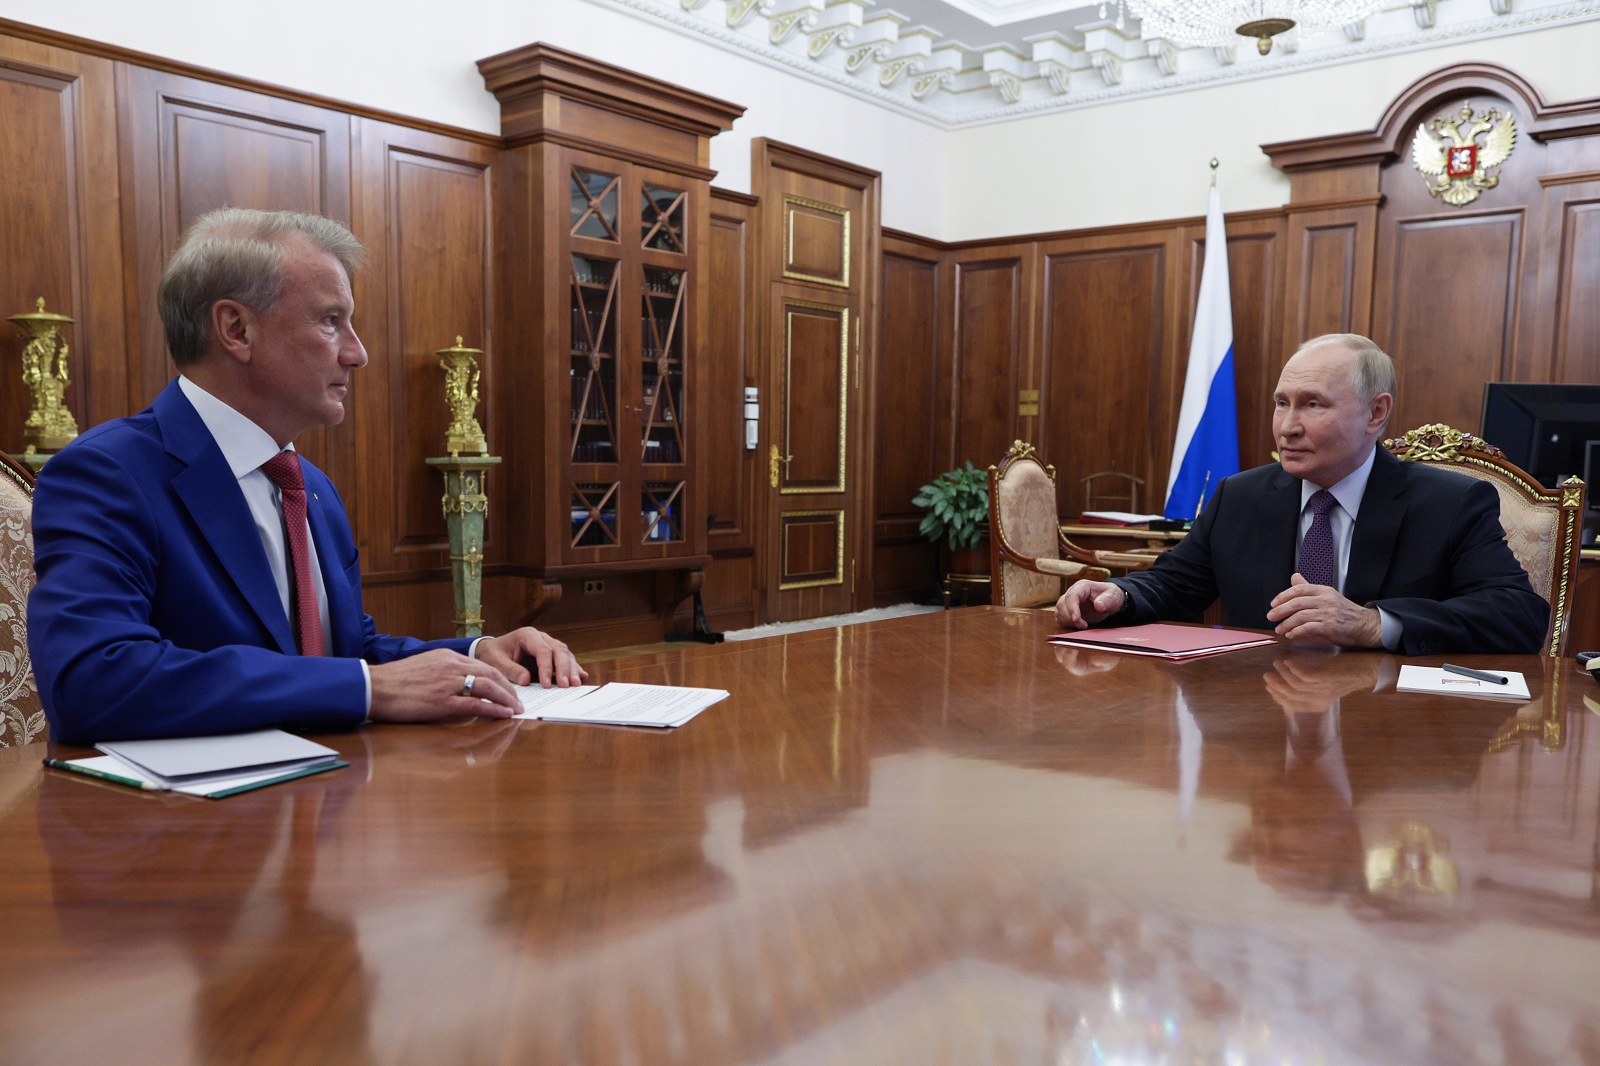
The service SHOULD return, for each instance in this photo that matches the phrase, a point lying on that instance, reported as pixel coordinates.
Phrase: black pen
(1481, 675)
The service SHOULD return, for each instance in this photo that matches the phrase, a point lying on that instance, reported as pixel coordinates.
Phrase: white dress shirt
(1342, 523)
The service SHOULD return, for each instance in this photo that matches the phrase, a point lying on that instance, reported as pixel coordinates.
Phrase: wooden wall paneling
(190, 145)
(1446, 312)
(992, 350)
(59, 212)
(1572, 255)
(728, 357)
(912, 372)
(1328, 265)
(1448, 280)
(1112, 373)
(423, 206)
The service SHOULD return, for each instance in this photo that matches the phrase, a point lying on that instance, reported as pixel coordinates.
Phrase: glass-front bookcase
(628, 259)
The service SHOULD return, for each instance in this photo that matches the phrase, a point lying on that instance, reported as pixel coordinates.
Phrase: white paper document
(1434, 679)
(658, 706)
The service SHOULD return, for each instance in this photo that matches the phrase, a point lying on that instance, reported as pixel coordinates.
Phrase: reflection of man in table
(1339, 542)
(195, 576)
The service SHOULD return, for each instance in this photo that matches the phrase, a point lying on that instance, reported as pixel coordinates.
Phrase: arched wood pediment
(1388, 140)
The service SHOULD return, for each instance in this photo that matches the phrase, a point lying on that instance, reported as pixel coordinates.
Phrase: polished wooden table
(926, 840)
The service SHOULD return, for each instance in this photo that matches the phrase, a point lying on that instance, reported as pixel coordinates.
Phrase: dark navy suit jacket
(1427, 547)
(155, 612)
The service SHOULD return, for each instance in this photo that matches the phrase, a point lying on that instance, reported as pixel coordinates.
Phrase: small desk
(917, 840)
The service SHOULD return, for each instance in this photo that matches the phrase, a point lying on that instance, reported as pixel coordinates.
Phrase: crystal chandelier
(1221, 22)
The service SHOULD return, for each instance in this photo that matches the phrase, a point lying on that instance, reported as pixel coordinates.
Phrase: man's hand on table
(1088, 603)
(1316, 614)
(433, 685)
(511, 653)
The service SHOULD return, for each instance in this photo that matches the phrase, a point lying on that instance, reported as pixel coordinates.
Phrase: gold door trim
(844, 392)
(788, 241)
(838, 563)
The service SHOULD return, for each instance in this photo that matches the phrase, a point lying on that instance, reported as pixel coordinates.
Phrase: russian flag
(1206, 449)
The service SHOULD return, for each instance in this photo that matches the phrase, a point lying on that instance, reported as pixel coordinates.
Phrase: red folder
(1166, 641)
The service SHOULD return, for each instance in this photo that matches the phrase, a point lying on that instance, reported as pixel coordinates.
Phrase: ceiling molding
(878, 55)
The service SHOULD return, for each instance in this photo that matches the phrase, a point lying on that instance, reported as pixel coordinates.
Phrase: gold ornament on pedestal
(461, 375)
(50, 425)
(466, 499)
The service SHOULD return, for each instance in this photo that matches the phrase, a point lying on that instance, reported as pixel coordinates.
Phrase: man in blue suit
(194, 576)
(1339, 542)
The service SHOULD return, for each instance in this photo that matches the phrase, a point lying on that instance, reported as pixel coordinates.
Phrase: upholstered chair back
(21, 714)
(1023, 515)
(1543, 526)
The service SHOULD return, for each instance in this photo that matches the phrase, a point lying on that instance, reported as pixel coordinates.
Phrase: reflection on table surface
(929, 839)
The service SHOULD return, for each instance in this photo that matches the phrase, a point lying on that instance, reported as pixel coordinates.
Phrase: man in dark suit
(194, 575)
(1339, 542)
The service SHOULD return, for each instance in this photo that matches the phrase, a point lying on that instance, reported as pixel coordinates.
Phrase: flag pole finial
(1214, 165)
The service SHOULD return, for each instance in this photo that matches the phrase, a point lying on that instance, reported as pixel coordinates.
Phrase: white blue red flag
(1206, 448)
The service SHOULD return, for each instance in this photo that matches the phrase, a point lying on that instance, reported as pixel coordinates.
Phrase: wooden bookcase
(605, 207)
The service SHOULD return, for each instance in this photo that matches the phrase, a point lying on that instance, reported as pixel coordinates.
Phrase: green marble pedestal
(466, 507)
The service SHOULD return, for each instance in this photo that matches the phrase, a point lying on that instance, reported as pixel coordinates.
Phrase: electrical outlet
(593, 588)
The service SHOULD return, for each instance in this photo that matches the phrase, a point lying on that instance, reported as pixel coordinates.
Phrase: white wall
(1124, 162)
(1149, 158)
(418, 57)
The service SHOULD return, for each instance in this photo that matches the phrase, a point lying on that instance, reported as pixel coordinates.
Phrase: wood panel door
(820, 259)
(811, 565)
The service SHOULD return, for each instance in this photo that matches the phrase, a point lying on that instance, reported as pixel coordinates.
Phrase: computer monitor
(1544, 429)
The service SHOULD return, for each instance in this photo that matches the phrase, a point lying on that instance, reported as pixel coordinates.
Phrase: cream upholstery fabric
(21, 714)
(1542, 526)
(1025, 504)
(1532, 531)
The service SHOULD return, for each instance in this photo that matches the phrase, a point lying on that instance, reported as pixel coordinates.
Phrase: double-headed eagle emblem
(1453, 153)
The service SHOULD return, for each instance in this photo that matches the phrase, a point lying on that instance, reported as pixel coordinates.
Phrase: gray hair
(234, 253)
(1373, 373)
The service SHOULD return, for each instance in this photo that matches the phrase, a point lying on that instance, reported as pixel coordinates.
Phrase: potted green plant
(957, 502)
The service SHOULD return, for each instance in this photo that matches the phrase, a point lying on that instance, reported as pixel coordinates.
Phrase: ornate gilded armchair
(1025, 542)
(21, 713)
(1542, 525)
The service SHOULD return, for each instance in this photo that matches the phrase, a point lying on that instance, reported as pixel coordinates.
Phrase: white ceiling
(959, 63)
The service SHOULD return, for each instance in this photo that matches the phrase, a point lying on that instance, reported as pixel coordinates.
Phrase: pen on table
(62, 764)
(1481, 675)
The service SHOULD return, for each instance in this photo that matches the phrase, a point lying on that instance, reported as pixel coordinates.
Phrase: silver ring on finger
(466, 686)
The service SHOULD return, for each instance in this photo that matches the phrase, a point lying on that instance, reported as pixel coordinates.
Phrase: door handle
(778, 459)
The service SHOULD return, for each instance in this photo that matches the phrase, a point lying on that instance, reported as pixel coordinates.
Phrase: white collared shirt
(246, 446)
(1342, 523)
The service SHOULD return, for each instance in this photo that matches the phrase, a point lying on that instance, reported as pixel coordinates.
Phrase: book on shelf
(617, 703)
(1163, 641)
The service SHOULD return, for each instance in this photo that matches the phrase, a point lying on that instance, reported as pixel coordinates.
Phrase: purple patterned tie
(1316, 551)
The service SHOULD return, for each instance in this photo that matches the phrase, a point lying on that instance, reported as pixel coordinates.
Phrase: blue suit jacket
(155, 612)
(1427, 547)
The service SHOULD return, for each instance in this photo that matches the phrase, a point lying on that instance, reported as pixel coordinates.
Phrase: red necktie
(284, 471)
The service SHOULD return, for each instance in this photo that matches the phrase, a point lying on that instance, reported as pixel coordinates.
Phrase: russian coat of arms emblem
(1462, 152)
